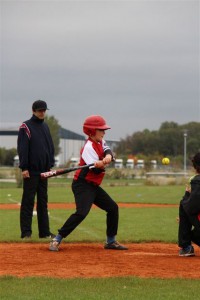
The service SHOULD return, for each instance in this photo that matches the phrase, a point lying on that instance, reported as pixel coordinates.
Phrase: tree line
(167, 141)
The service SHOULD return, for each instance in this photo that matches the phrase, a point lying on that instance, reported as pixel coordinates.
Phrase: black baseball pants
(87, 194)
(189, 228)
(31, 187)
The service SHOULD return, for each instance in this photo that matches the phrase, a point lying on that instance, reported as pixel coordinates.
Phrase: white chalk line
(13, 200)
(147, 254)
(82, 228)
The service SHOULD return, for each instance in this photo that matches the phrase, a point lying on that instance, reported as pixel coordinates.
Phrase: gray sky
(136, 63)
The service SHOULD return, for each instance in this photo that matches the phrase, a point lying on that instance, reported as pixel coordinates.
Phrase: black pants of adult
(189, 228)
(87, 194)
(31, 187)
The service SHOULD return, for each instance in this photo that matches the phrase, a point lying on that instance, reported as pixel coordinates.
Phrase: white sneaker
(54, 245)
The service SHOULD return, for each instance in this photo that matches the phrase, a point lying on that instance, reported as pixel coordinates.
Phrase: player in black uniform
(189, 213)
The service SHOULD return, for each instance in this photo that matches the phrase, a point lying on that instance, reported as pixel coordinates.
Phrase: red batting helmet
(94, 122)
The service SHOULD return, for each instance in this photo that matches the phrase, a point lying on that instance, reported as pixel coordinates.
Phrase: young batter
(189, 213)
(86, 185)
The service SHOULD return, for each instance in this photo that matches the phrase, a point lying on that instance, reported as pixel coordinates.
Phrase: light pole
(185, 150)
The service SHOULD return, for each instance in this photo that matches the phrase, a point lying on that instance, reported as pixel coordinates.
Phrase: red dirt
(91, 260)
(156, 260)
(72, 205)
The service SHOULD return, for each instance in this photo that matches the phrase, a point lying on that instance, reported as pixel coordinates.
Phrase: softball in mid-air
(165, 161)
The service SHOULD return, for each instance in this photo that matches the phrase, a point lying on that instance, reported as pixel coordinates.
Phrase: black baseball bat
(54, 173)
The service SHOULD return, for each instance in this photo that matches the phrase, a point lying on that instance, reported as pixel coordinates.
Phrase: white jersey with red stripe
(92, 151)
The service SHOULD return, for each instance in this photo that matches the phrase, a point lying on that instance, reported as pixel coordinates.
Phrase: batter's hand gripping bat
(54, 173)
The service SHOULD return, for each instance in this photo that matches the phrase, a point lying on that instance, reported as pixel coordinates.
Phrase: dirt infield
(91, 260)
(83, 260)
(72, 205)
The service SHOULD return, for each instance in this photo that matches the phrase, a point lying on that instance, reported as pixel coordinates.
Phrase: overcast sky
(136, 63)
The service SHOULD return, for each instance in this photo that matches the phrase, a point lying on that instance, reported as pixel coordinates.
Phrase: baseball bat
(54, 173)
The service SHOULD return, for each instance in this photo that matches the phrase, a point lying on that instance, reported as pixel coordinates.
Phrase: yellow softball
(165, 161)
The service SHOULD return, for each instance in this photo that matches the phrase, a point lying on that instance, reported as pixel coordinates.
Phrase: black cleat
(115, 246)
(188, 251)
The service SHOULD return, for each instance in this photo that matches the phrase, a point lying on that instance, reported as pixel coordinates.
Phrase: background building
(70, 143)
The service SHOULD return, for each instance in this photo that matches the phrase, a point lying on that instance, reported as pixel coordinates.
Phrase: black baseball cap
(39, 105)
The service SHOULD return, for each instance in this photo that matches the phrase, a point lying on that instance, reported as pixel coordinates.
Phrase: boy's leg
(185, 227)
(195, 234)
(185, 234)
(84, 195)
(105, 202)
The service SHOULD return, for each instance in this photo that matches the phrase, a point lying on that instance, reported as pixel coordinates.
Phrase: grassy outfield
(120, 191)
(136, 225)
(98, 289)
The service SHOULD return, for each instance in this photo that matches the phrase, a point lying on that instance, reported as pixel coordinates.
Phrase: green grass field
(135, 192)
(136, 225)
(98, 289)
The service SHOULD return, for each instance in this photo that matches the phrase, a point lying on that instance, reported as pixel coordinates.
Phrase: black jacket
(191, 201)
(35, 146)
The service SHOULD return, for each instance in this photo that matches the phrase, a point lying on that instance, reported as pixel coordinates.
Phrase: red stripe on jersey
(24, 126)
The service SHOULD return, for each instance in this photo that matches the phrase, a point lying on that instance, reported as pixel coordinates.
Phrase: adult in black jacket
(189, 213)
(36, 155)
